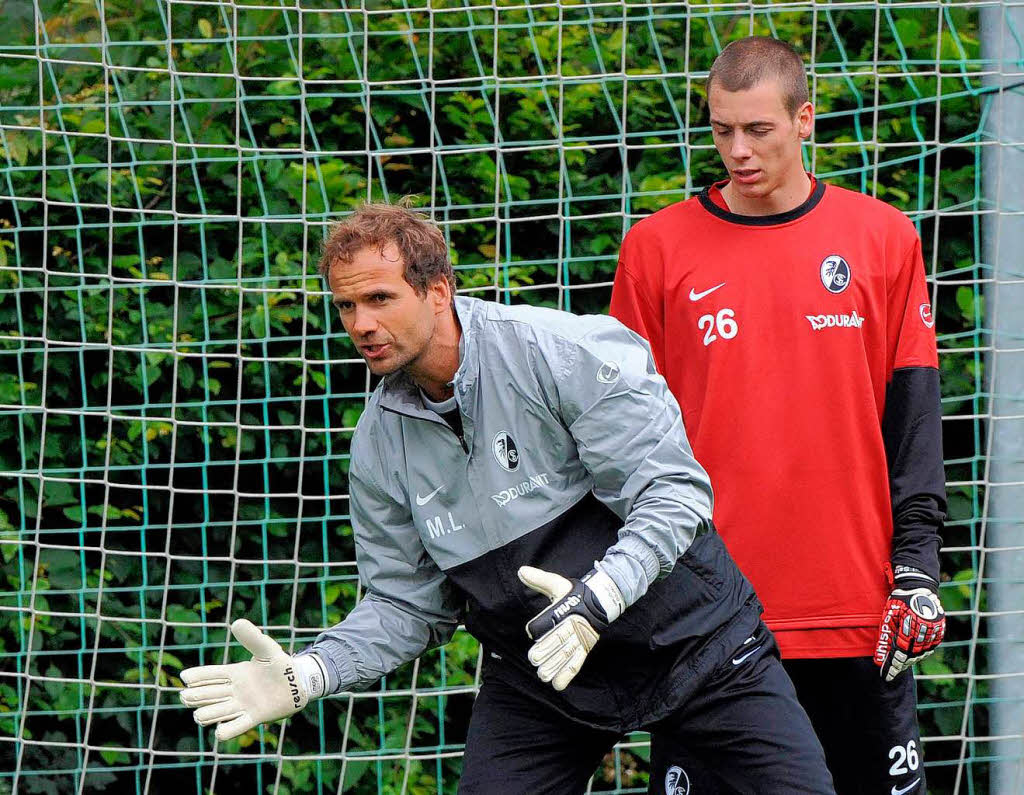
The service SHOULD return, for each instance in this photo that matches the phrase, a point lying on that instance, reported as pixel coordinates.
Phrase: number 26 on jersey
(722, 324)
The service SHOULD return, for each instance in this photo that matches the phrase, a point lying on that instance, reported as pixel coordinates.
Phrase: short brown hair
(746, 62)
(420, 242)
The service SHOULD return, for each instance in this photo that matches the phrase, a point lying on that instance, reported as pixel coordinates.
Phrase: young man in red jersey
(792, 321)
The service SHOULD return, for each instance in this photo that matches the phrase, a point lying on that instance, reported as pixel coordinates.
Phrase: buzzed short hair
(421, 243)
(746, 62)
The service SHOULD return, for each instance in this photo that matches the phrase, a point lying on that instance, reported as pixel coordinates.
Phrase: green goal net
(177, 396)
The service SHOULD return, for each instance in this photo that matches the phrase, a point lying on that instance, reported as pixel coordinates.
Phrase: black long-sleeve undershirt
(912, 432)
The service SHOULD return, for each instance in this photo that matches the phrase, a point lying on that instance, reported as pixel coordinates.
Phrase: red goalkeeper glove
(913, 623)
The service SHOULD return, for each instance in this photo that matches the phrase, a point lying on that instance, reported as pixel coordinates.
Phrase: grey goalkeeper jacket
(573, 451)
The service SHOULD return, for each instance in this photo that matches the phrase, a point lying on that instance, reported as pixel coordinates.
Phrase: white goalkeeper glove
(567, 629)
(270, 686)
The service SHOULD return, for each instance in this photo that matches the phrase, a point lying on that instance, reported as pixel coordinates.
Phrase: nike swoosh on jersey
(424, 500)
(742, 657)
(910, 786)
(695, 296)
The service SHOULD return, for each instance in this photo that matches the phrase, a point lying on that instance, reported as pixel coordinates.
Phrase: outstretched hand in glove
(239, 696)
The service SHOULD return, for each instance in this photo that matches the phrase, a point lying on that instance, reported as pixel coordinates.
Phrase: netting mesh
(176, 398)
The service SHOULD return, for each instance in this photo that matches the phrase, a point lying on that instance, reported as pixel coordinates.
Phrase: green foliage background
(176, 398)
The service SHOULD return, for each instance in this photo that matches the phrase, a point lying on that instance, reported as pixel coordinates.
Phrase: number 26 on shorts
(906, 759)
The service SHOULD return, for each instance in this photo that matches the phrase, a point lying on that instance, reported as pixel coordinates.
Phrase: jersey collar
(761, 220)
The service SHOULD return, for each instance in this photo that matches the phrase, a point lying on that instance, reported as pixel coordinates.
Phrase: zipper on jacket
(438, 421)
(453, 419)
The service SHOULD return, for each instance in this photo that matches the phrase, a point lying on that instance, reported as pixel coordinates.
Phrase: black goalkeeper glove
(567, 629)
(913, 623)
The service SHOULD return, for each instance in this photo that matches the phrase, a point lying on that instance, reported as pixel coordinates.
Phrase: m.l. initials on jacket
(437, 529)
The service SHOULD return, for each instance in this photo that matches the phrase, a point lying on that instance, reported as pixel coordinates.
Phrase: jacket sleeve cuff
(632, 566)
(341, 672)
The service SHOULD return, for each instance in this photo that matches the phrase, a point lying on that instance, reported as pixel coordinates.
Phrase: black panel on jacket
(650, 659)
(912, 430)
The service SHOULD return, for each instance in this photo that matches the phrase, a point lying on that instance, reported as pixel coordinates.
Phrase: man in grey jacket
(526, 471)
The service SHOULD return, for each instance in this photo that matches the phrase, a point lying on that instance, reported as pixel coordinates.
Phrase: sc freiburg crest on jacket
(505, 451)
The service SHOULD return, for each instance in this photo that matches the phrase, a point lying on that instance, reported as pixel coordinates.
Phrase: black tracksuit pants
(745, 724)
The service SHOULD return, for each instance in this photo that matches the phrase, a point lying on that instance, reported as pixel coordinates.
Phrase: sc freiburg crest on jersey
(835, 273)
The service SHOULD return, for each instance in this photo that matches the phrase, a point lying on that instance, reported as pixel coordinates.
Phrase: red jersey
(779, 336)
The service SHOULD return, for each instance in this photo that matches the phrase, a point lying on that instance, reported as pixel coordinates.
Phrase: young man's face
(758, 139)
(389, 322)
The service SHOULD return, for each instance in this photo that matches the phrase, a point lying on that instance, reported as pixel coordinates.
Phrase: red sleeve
(637, 291)
(910, 323)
